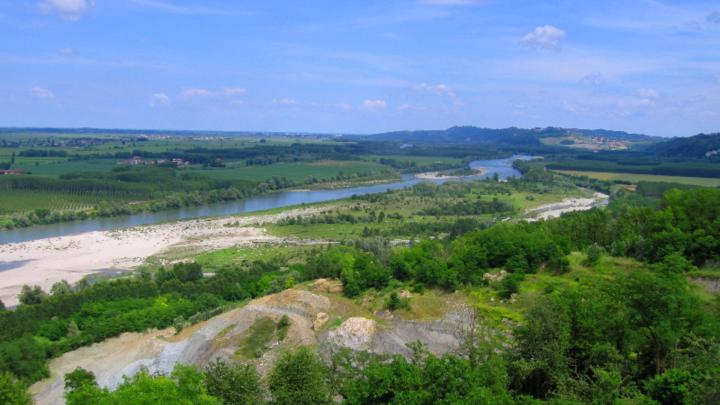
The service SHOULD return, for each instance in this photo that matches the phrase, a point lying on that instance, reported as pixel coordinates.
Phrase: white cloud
(285, 101)
(233, 91)
(196, 93)
(159, 99)
(647, 97)
(439, 89)
(41, 92)
(67, 9)
(374, 104)
(66, 51)
(199, 92)
(544, 37)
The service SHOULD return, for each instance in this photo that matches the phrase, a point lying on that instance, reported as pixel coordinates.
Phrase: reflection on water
(503, 168)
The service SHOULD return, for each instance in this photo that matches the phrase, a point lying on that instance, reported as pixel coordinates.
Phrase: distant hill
(506, 136)
(702, 146)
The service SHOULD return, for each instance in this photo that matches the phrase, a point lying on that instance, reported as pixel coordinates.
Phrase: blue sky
(361, 66)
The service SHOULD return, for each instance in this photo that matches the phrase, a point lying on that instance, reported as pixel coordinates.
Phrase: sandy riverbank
(441, 176)
(44, 262)
(554, 210)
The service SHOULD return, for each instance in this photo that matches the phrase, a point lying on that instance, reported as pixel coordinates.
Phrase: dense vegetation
(642, 334)
(637, 334)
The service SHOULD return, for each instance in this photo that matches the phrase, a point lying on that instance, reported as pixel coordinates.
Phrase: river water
(503, 168)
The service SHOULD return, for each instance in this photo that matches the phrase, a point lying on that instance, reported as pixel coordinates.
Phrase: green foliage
(594, 252)
(78, 378)
(31, 295)
(298, 378)
(13, 392)
(60, 288)
(254, 344)
(670, 387)
(234, 384)
(394, 302)
(282, 327)
(510, 285)
(185, 387)
(429, 380)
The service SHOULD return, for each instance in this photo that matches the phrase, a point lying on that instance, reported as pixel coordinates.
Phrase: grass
(255, 342)
(634, 178)
(237, 255)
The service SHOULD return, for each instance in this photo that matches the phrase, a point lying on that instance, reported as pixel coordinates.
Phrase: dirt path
(44, 262)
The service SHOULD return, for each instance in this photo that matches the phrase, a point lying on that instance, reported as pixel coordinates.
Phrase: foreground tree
(183, 387)
(299, 378)
(13, 392)
(235, 384)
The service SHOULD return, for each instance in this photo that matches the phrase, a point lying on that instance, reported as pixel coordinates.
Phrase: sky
(349, 66)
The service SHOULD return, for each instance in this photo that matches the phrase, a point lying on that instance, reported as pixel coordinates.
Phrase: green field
(296, 172)
(634, 178)
(56, 167)
(29, 200)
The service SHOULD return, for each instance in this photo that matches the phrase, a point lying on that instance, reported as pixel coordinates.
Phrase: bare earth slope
(221, 336)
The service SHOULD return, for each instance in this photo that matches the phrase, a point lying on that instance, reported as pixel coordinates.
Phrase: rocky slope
(318, 315)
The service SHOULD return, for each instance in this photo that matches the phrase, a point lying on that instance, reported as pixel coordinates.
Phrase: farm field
(634, 178)
(296, 172)
(56, 167)
(30, 200)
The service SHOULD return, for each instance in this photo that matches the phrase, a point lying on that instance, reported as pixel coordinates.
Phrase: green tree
(393, 301)
(299, 378)
(32, 295)
(78, 378)
(60, 288)
(510, 285)
(183, 387)
(594, 253)
(235, 384)
(670, 387)
(13, 392)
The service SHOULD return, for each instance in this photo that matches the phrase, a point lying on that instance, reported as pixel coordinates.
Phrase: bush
(510, 285)
(283, 326)
(299, 379)
(594, 252)
(13, 392)
(235, 384)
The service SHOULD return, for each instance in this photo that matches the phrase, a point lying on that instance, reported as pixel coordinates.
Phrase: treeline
(688, 168)
(477, 207)
(412, 166)
(42, 153)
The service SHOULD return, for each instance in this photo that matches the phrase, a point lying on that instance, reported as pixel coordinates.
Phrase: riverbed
(502, 167)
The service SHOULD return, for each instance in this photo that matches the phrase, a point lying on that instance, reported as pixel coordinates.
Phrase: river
(503, 168)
